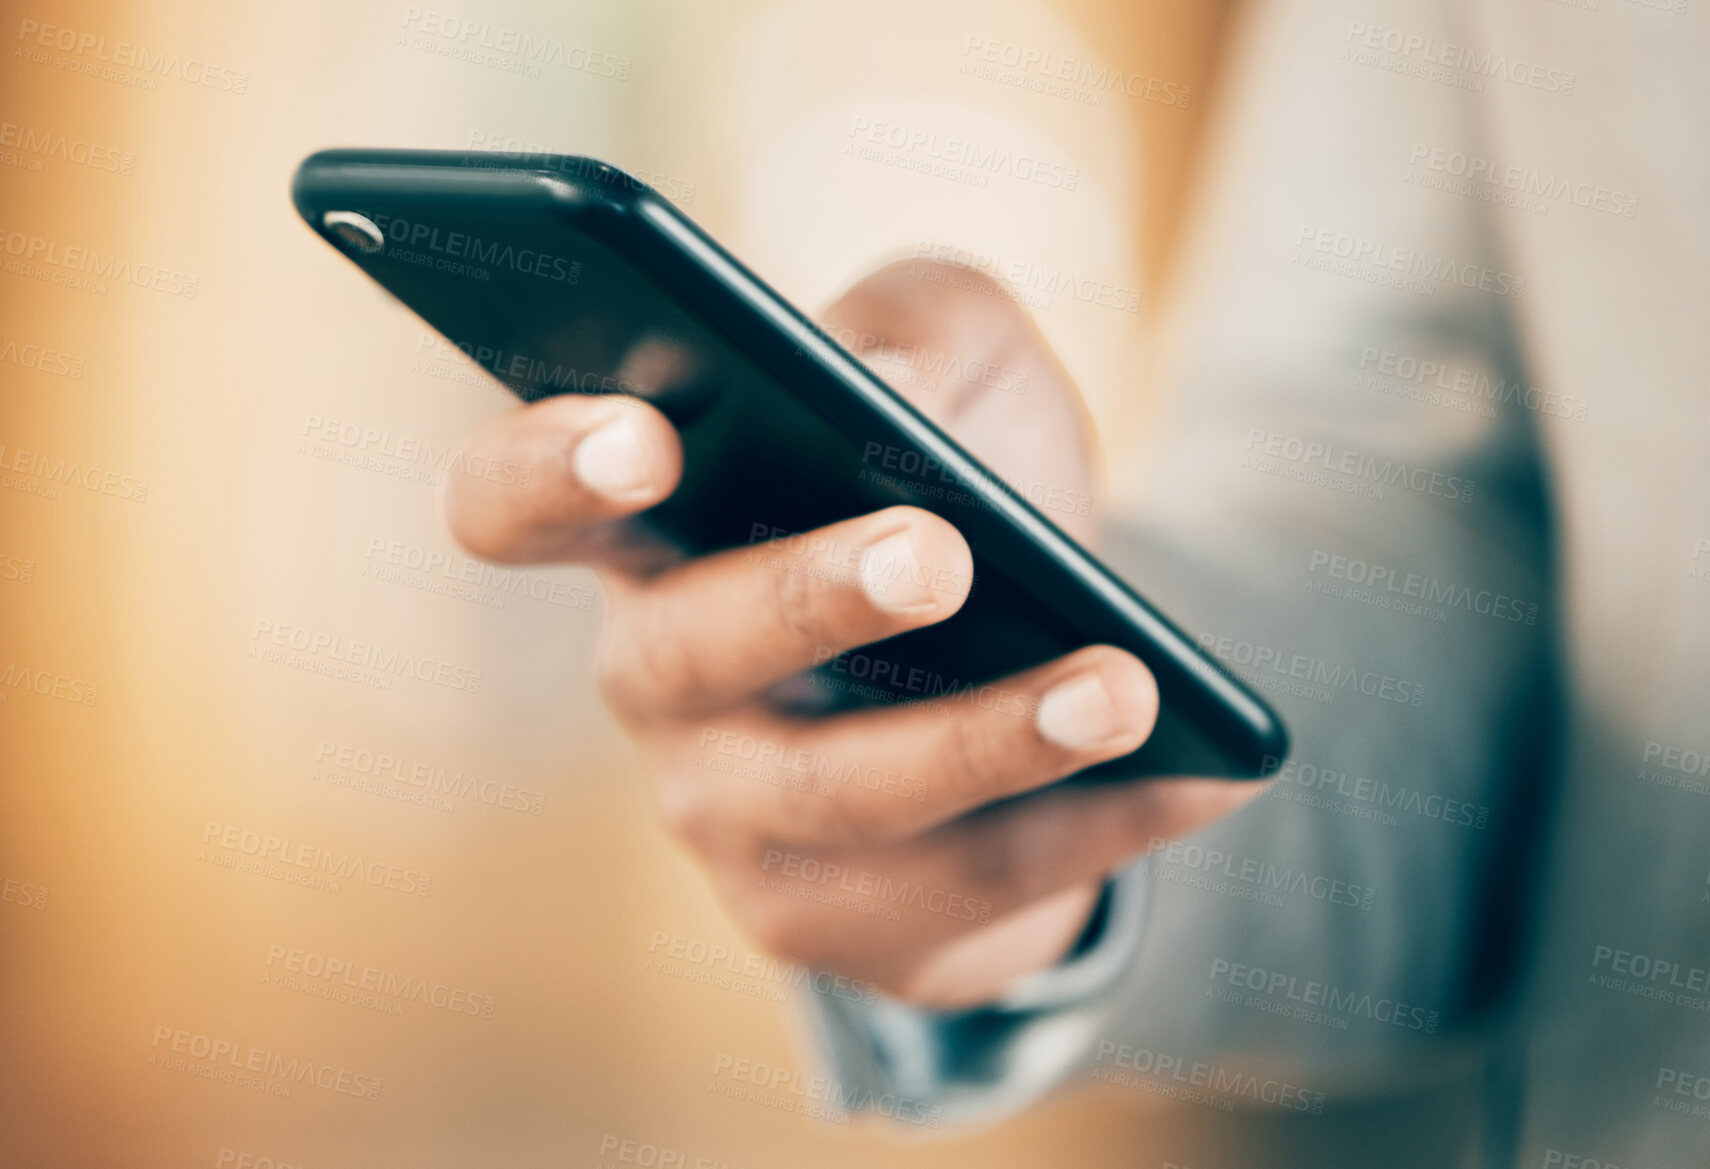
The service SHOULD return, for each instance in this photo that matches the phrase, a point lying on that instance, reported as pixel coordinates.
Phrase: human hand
(912, 868)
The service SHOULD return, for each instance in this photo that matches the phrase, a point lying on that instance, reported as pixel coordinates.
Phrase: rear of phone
(559, 274)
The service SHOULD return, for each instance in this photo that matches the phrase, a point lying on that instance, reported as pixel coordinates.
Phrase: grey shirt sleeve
(1343, 506)
(966, 1066)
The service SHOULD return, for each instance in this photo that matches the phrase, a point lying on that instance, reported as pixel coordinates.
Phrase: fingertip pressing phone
(562, 274)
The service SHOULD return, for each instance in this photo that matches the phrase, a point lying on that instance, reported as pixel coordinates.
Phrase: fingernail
(1078, 715)
(613, 460)
(890, 572)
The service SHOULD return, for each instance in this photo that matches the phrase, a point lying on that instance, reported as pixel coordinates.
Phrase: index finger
(545, 482)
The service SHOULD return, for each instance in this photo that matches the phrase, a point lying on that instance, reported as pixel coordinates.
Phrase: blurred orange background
(257, 461)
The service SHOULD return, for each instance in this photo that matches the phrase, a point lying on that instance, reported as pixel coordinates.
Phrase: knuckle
(642, 661)
(823, 819)
(968, 756)
(798, 605)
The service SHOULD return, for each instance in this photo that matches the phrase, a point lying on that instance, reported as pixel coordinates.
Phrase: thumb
(957, 344)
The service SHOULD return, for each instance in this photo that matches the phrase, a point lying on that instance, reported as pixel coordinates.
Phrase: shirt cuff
(978, 1064)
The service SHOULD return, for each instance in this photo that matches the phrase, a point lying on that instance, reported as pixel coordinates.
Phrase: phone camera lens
(357, 231)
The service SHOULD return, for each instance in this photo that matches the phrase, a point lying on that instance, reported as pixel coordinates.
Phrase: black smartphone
(561, 274)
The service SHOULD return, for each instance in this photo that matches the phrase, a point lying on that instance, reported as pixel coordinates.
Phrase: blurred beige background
(523, 1005)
